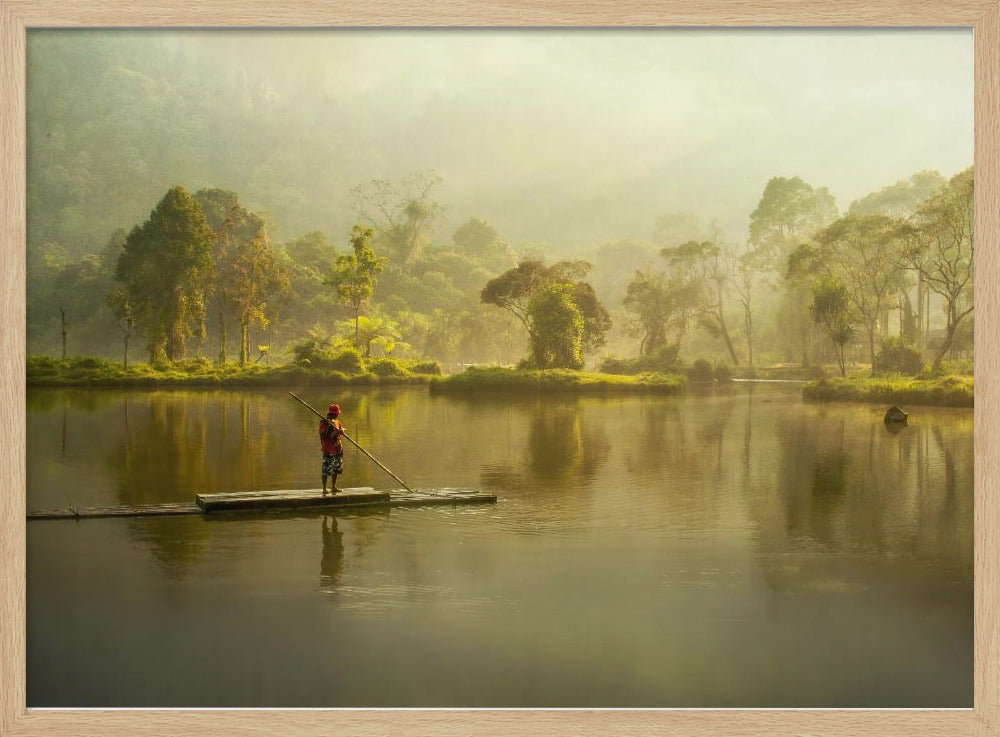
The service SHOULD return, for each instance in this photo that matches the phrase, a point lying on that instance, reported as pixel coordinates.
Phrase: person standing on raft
(330, 431)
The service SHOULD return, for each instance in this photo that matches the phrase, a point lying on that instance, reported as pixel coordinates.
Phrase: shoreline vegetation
(500, 379)
(944, 391)
(88, 371)
(349, 369)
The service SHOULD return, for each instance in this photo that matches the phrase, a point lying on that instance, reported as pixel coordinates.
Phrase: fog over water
(568, 137)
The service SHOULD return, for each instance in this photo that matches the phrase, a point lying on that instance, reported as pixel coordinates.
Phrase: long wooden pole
(377, 463)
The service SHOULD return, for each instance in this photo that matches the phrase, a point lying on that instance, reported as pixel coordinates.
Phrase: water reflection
(745, 530)
(331, 563)
(565, 442)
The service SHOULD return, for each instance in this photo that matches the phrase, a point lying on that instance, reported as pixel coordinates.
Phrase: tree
(940, 247)
(355, 274)
(699, 265)
(744, 278)
(901, 200)
(121, 308)
(377, 330)
(400, 214)
(259, 279)
(863, 253)
(234, 229)
(164, 267)
(480, 240)
(831, 309)
(557, 327)
(788, 212)
(515, 289)
(311, 250)
(661, 307)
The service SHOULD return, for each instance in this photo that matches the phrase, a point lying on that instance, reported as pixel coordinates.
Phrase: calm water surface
(736, 549)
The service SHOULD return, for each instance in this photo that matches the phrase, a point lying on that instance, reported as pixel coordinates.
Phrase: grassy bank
(496, 379)
(948, 391)
(45, 371)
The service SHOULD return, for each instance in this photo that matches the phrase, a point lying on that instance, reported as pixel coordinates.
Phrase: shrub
(426, 367)
(383, 367)
(347, 360)
(662, 360)
(815, 372)
(87, 362)
(723, 374)
(895, 357)
(701, 370)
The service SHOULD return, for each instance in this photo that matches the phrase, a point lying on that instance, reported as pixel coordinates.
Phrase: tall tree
(789, 212)
(831, 309)
(480, 240)
(863, 253)
(662, 309)
(401, 214)
(260, 278)
(515, 289)
(940, 247)
(700, 265)
(557, 327)
(234, 228)
(901, 200)
(121, 308)
(355, 274)
(745, 277)
(164, 267)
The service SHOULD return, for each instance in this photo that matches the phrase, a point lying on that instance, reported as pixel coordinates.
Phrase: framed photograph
(633, 346)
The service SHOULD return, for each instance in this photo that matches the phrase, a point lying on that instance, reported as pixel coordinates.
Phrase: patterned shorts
(332, 464)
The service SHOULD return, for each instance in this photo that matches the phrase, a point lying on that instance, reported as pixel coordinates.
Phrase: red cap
(334, 409)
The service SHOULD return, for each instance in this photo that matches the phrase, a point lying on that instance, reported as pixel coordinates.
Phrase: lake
(728, 548)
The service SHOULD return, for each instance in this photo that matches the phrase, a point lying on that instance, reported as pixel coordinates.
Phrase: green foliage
(383, 367)
(323, 354)
(661, 309)
(528, 290)
(863, 254)
(431, 368)
(941, 248)
(557, 328)
(498, 379)
(830, 309)
(480, 240)
(952, 391)
(354, 276)
(701, 370)
(92, 371)
(788, 211)
(899, 200)
(401, 213)
(957, 367)
(662, 360)
(312, 250)
(164, 268)
(895, 357)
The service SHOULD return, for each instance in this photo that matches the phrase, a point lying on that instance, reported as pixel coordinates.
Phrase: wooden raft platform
(244, 501)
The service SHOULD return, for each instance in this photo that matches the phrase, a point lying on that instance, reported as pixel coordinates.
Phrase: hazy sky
(644, 122)
(577, 136)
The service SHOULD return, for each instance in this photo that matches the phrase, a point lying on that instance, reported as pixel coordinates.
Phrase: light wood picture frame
(17, 16)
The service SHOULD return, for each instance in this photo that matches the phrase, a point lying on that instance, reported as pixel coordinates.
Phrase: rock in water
(895, 414)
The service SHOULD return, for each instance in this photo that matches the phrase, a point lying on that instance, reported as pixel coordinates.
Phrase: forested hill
(115, 120)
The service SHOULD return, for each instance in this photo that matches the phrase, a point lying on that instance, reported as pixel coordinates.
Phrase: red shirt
(329, 439)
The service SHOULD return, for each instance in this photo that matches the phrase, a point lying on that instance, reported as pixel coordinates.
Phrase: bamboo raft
(263, 501)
